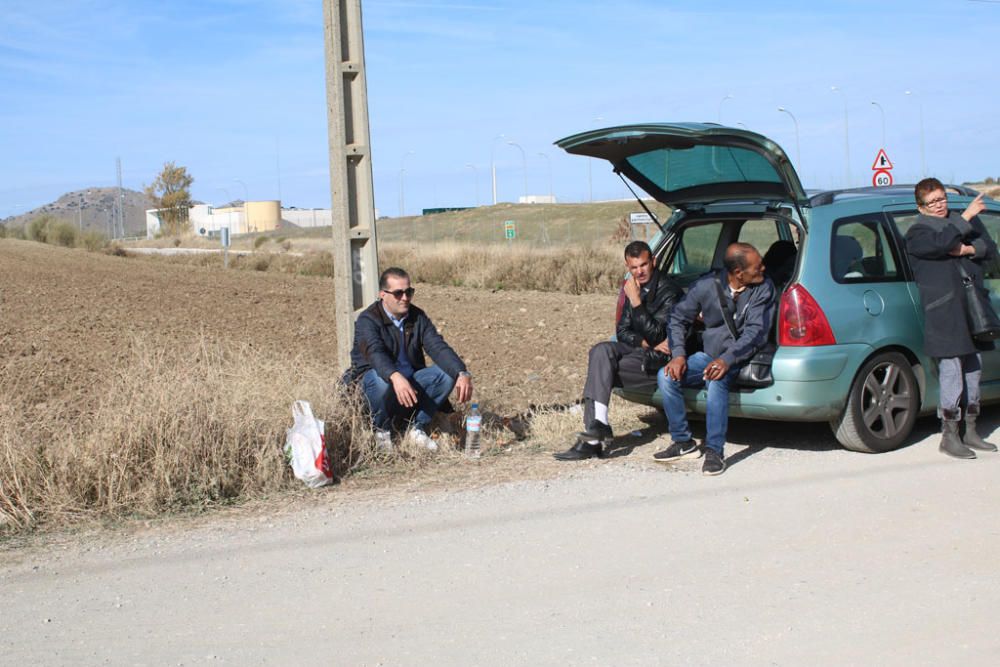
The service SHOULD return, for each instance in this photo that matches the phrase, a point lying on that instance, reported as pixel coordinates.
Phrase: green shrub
(62, 233)
(93, 241)
(259, 241)
(38, 228)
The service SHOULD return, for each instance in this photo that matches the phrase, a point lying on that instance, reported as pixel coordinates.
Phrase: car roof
(893, 192)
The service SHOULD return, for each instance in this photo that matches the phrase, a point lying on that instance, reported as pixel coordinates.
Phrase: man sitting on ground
(649, 296)
(390, 338)
(749, 297)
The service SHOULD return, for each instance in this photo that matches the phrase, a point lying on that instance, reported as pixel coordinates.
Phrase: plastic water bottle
(473, 423)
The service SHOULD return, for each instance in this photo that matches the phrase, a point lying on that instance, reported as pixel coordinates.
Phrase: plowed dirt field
(68, 317)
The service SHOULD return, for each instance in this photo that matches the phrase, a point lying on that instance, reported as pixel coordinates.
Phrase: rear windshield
(675, 169)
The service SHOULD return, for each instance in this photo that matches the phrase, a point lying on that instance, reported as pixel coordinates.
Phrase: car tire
(882, 405)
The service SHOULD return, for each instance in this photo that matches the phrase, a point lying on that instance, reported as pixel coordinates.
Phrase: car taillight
(801, 321)
(621, 303)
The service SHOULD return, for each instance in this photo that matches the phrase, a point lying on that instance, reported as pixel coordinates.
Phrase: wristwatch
(465, 374)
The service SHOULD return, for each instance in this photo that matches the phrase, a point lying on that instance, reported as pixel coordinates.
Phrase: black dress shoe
(598, 431)
(580, 451)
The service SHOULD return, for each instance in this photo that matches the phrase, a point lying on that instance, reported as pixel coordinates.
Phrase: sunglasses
(936, 202)
(398, 293)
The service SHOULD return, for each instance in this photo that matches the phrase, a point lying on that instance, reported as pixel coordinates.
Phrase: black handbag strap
(727, 314)
(963, 272)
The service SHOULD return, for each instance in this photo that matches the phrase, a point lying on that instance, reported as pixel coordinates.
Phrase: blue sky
(234, 91)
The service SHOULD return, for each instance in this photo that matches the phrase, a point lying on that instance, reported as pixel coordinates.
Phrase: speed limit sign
(881, 178)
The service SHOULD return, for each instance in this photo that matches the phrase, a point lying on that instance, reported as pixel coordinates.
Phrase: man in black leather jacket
(649, 296)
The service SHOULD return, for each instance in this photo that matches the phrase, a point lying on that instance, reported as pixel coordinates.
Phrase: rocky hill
(91, 209)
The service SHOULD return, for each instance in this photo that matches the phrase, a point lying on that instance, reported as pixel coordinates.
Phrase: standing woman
(938, 244)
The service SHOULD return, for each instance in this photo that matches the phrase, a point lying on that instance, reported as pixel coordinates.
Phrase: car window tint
(675, 169)
(991, 220)
(861, 252)
(695, 251)
(759, 233)
(904, 221)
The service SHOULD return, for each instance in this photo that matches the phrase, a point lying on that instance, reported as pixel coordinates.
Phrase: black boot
(598, 432)
(951, 444)
(580, 451)
(972, 439)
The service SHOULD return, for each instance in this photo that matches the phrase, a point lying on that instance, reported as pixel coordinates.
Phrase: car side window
(990, 220)
(695, 251)
(761, 234)
(861, 252)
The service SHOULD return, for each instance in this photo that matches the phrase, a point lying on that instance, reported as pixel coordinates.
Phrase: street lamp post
(847, 138)
(524, 166)
(475, 179)
(402, 171)
(493, 165)
(590, 168)
(718, 116)
(798, 154)
(920, 109)
(882, 113)
(548, 162)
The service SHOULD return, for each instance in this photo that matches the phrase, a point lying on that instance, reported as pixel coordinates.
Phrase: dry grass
(569, 269)
(185, 429)
(573, 269)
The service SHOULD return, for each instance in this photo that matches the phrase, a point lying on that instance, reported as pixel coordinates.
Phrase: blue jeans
(432, 385)
(717, 410)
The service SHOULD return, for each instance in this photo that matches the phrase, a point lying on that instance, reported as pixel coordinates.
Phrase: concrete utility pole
(355, 258)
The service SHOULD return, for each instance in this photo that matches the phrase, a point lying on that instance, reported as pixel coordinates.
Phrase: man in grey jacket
(749, 297)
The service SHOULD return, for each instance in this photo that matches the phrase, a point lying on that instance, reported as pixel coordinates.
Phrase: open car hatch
(684, 164)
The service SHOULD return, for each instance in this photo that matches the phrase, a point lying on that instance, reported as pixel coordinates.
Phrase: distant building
(252, 217)
(537, 199)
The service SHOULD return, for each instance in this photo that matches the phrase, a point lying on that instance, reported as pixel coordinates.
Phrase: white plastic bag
(305, 448)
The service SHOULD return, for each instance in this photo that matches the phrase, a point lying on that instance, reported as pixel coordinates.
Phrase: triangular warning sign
(881, 161)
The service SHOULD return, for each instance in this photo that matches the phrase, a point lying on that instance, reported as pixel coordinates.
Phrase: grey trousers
(613, 364)
(958, 375)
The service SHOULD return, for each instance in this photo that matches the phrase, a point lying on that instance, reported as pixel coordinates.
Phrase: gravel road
(797, 555)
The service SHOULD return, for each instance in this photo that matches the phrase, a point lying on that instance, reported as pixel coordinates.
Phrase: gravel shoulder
(794, 556)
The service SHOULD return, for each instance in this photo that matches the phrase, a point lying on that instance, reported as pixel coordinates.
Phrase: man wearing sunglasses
(938, 244)
(390, 339)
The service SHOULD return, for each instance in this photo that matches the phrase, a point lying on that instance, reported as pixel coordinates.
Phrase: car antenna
(638, 199)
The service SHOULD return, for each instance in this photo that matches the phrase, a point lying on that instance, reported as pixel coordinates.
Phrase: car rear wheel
(881, 407)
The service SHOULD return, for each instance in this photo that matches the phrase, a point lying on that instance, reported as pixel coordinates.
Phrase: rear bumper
(811, 385)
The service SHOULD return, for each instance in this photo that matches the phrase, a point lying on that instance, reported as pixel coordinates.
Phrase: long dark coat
(928, 241)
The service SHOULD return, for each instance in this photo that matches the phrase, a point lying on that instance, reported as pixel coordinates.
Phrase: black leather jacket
(648, 321)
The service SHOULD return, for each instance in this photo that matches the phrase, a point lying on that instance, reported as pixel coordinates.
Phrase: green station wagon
(849, 326)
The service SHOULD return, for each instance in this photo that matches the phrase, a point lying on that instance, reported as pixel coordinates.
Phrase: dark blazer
(649, 319)
(376, 344)
(928, 241)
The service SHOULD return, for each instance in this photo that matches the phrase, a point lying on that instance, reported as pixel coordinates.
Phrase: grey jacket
(753, 313)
